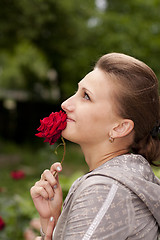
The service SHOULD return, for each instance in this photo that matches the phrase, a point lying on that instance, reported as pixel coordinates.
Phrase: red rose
(19, 174)
(52, 126)
(2, 223)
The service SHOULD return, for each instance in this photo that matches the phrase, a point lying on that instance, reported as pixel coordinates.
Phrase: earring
(111, 140)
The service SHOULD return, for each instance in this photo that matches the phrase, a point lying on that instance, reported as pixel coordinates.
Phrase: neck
(96, 156)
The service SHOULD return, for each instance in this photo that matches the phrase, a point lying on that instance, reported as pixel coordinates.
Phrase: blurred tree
(52, 26)
(69, 35)
(134, 28)
(13, 64)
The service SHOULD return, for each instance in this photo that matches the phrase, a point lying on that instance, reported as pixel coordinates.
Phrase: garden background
(46, 47)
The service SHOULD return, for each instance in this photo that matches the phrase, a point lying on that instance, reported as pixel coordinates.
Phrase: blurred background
(46, 48)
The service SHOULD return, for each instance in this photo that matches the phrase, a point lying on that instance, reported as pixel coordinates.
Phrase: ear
(123, 128)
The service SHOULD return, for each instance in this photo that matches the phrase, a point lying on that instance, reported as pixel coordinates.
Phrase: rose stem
(64, 152)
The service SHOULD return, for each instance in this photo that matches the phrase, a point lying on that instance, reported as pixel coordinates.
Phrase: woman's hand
(47, 193)
(49, 232)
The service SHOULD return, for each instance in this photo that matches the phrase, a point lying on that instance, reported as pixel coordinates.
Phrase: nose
(68, 105)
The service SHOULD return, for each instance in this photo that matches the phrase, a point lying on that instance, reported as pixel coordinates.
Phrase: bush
(16, 205)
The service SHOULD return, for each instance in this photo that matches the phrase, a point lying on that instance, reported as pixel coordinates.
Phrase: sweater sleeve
(101, 211)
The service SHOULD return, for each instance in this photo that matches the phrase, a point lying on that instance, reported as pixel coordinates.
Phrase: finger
(50, 229)
(56, 167)
(49, 177)
(38, 238)
(49, 185)
(35, 223)
(38, 191)
(44, 174)
(29, 234)
(48, 188)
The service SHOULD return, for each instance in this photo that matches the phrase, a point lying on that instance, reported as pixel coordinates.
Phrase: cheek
(92, 124)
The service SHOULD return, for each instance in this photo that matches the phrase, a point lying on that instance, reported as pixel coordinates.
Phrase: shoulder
(107, 196)
(99, 185)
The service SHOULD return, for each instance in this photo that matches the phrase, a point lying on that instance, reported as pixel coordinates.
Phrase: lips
(69, 119)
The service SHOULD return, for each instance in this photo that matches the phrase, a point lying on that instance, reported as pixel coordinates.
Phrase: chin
(69, 136)
(66, 135)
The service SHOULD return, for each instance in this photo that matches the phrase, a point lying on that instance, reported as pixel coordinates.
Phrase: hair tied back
(155, 132)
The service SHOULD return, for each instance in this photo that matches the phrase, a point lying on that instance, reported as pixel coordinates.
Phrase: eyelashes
(86, 96)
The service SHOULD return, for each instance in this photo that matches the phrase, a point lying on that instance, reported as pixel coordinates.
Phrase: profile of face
(90, 111)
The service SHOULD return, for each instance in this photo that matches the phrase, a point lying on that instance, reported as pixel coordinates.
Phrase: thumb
(50, 228)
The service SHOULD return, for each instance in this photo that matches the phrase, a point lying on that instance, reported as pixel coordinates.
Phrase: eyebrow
(84, 88)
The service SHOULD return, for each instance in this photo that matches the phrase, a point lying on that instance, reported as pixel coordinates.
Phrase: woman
(114, 112)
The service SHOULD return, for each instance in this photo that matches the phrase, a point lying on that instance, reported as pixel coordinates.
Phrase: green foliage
(156, 171)
(16, 206)
(17, 212)
(17, 65)
(70, 35)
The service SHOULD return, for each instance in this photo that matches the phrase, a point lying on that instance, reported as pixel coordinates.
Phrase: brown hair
(137, 99)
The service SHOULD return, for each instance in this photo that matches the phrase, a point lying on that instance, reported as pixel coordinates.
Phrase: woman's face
(90, 111)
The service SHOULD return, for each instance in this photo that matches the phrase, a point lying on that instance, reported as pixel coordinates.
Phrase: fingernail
(51, 219)
(58, 168)
(55, 186)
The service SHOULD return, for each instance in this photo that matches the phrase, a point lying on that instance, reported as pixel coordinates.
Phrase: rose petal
(52, 126)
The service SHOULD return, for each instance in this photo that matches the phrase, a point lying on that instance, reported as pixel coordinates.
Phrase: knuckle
(31, 189)
(37, 183)
(54, 165)
(54, 183)
(46, 171)
(45, 183)
(57, 163)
